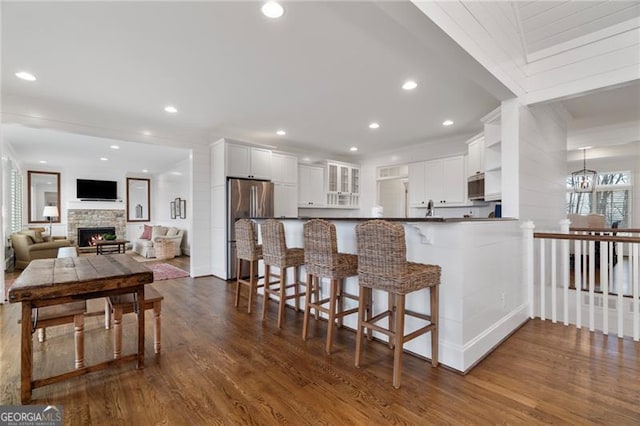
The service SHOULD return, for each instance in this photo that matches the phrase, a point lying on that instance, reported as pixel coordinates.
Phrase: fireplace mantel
(96, 205)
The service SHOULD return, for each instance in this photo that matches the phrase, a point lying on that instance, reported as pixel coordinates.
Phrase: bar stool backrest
(382, 249)
(274, 244)
(246, 239)
(320, 243)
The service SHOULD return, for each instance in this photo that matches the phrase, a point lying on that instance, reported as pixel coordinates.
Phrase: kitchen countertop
(402, 219)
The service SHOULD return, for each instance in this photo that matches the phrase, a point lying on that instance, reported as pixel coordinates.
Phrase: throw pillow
(38, 238)
(31, 234)
(146, 234)
(172, 232)
(158, 231)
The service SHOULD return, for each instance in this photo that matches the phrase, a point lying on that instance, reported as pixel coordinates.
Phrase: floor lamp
(50, 212)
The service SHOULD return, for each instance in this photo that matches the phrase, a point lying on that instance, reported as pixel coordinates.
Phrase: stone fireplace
(113, 219)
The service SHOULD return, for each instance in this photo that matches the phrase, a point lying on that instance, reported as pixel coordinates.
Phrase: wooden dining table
(47, 282)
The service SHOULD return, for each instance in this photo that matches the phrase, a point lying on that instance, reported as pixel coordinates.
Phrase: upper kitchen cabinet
(442, 181)
(493, 156)
(311, 186)
(284, 168)
(343, 184)
(248, 162)
(475, 159)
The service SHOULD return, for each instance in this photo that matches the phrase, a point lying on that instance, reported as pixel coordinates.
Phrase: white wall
(542, 161)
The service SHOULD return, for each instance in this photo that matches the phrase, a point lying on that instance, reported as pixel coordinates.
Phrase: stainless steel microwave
(475, 187)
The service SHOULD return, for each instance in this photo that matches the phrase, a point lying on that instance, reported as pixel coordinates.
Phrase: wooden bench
(124, 304)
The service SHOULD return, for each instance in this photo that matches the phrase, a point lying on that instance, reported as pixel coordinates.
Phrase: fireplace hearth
(88, 236)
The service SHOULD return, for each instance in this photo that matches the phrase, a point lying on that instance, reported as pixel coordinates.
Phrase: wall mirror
(43, 191)
(138, 200)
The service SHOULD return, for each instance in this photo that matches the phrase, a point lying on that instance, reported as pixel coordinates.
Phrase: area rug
(164, 271)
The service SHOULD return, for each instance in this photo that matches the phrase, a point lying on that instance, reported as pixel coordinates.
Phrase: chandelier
(584, 180)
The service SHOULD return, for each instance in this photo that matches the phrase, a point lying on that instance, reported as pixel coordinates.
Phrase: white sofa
(144, 245)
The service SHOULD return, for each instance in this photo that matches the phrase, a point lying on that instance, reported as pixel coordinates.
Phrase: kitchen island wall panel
(481, 262)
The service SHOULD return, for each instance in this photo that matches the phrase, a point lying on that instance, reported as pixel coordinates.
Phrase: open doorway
(392, 196)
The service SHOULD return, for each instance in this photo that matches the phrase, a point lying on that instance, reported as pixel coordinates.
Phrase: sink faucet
(430, 209)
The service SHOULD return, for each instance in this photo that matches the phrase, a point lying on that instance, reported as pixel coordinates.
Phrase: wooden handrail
(623, 230)
(583, 237)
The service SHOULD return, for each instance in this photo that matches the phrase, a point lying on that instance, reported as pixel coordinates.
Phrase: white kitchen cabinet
(343, 185)
(311, 191)
(442, 181)
(248, 162)
(475, 159)
(285, 200)
(493, 158)
(284, 168)
(416, 185)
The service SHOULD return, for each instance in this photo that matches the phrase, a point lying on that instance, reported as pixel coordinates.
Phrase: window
(611, 198)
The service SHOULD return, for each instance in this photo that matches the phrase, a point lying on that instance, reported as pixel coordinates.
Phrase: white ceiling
(548, 23)
(322, 72)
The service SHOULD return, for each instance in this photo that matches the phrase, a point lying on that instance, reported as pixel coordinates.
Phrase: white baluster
(592, 284)
(619, 289)
(636, 293)
(564, 228)
(577, 268)
(553, 280)
(543, 281)
(604, 285)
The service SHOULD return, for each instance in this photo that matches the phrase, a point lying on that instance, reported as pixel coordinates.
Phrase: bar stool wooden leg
(361, 313)
(369, 310)
(391, 303)
(399, 340)
(238, 273)
(317, 294)
(252, 283)
(296, 287)
(307, 307)
(340, 301)
(267, 287)
(283, 294)
(117, 332)
(78, 325)
(434, 320)
(157, 310)
(332, 315)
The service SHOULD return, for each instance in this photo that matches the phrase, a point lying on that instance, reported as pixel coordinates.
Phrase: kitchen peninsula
(481, 294)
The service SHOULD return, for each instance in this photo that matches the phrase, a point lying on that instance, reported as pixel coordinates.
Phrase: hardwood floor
(220, 365)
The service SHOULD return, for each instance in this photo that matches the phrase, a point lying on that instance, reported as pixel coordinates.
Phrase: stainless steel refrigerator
(245, 198)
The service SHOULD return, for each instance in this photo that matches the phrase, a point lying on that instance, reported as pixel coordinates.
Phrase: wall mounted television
(87, 189)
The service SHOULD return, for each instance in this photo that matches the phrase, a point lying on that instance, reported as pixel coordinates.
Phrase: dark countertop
(402, 219)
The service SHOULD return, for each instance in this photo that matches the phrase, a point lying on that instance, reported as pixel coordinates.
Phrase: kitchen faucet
(430, 209)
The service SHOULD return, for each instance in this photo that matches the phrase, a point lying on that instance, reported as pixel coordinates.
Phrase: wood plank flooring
(220, 365)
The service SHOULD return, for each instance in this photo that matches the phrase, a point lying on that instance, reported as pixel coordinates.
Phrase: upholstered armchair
(146, 244)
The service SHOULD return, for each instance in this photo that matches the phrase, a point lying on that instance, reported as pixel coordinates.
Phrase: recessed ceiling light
(353, 149)
(176, 173)
(26, 76)
(171, 109)
(145, 171)
(281, 133)
(586, 147)
(374, 125)
(272, 9)
(42, 162)
(114, 147)
(409, 85)
(104, 159)
(146, 133)
(306, 159)
(447, 123)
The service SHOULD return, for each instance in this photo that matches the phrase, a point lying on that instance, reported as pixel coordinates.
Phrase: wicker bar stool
(248, 250)
(382, 265)
(322, 260)
(275, 253)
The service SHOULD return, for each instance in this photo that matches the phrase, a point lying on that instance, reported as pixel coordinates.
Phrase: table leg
(27, 354)
(140, 301)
